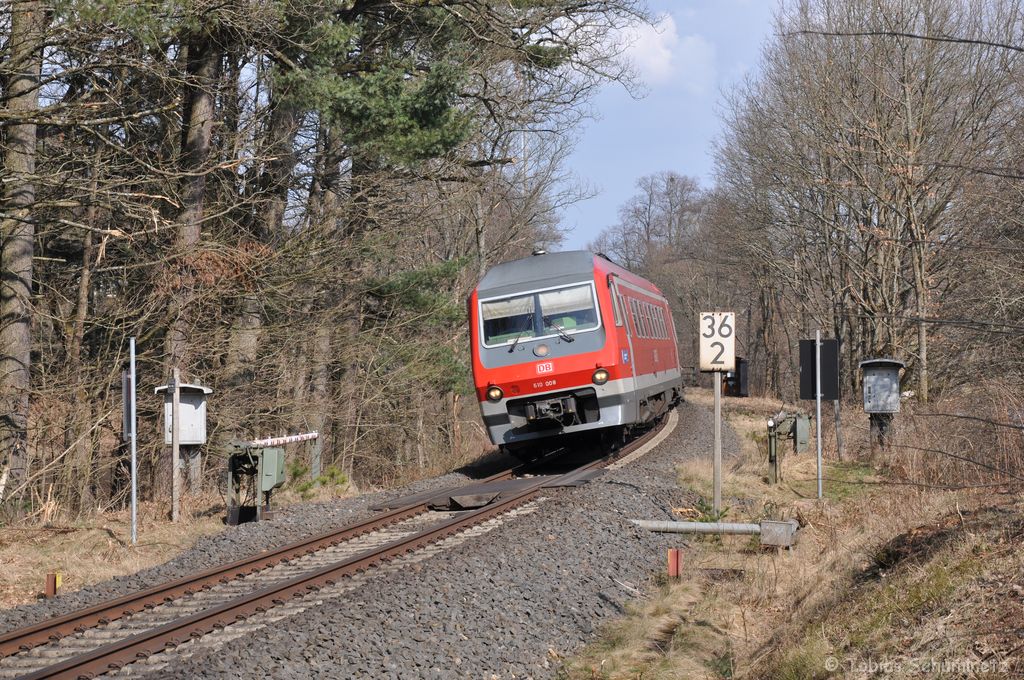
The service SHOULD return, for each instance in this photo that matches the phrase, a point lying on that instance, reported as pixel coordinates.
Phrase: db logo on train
(545, 367)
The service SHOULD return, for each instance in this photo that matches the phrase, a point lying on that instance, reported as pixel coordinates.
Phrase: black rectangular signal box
(829, 369)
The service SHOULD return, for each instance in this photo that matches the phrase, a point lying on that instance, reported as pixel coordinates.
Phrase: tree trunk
(18, 235)
(284, 126)
(197, 132)
(320, 387)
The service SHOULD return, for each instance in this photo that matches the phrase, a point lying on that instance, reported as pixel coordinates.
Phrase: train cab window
(568, 309)
(546, 313)
(504, 320)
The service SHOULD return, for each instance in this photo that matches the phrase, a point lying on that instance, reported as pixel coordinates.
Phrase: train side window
(636, 318)
(645, 320)
(661, 323)
(616, 312)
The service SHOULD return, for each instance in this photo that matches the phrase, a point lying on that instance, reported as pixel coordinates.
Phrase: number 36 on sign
(717, 341)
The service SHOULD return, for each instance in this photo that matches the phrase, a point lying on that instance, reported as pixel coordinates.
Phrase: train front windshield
(540, 314)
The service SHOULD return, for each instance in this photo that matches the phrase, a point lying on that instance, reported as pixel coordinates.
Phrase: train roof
(549, 269)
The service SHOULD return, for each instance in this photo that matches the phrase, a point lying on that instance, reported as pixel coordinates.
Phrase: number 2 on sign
(717, 341)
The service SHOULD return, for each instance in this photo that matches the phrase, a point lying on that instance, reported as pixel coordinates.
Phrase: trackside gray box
(192, 409)
(779, 534)
(881, 385)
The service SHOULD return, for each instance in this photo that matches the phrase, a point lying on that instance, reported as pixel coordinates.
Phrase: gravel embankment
(507, 604)
(291, 524)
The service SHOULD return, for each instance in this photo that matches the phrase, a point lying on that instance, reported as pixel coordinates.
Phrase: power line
(989, 421)
(991, 326)
(965, 459)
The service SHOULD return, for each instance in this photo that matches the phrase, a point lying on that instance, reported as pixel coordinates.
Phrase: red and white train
(569, 342)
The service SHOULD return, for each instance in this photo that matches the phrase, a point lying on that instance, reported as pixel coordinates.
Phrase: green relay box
(253, 474)
(271, 468)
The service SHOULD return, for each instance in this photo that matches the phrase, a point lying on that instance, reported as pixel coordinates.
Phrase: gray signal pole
(716, 503)
(817, 399)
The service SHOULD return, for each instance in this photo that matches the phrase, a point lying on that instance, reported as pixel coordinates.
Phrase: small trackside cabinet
(271, 469)
(192, 407)
(881, 379)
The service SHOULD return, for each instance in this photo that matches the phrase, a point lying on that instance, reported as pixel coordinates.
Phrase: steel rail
(121, 652)
(41, 633)
(113, 655)
(49, 630)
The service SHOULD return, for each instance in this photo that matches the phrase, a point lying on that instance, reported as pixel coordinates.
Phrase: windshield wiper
(561, 331)
(529, 322)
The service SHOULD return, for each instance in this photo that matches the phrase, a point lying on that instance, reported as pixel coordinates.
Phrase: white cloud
(650, 48)
(695, 64)
(662, 56)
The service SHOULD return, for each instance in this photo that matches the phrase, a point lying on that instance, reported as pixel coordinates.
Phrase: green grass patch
(842, 481)
(332, 478)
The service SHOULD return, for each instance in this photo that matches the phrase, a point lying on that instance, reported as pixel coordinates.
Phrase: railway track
(114, 634)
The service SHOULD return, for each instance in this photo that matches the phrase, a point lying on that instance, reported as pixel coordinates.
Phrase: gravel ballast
(291, 524)
(507, 604)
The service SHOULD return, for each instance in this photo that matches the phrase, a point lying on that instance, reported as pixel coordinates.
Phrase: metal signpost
(128, 427)
(717, 355)
(819, 380)
(817, 400)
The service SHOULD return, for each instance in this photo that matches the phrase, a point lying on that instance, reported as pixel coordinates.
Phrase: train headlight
(494, 393)
(600, 376)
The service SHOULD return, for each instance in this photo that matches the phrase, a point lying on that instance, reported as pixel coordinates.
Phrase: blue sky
(697, 51)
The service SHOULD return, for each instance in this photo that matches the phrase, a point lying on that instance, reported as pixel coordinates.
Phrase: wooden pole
(132, 420)
(175, 445)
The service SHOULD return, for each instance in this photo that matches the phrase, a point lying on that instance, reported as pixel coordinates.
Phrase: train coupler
(559, 409)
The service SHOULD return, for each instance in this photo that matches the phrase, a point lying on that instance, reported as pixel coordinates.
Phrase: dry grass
(97, 548)
(91, 548)
(737, 605)
(946, 595)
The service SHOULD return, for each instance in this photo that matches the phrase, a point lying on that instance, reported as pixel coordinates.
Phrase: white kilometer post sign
(717, 354)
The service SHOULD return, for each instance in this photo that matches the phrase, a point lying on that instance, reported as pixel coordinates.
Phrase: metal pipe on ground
(698, 527)
(772, 532)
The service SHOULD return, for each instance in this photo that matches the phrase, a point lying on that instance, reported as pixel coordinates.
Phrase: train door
(627, 358)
